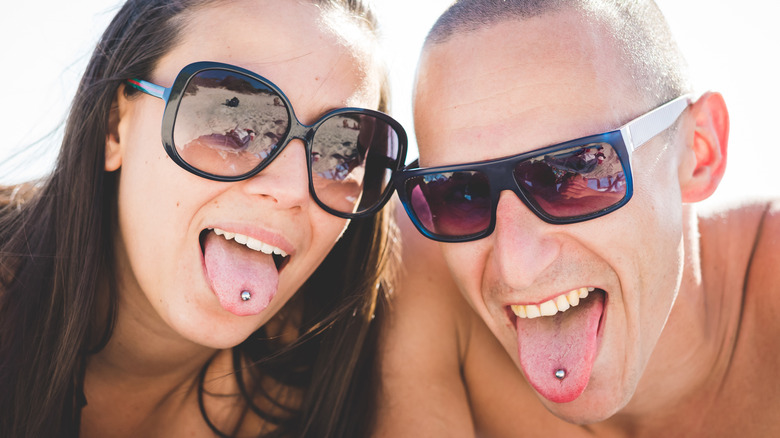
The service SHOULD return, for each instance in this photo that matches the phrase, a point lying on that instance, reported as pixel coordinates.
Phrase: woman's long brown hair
(57, 286)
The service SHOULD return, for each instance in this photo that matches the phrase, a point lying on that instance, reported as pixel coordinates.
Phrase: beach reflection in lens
(574, 181)
(228, 123)
(352, 159)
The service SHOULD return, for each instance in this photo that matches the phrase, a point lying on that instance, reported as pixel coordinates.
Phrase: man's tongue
(566, 344)
(233, 268)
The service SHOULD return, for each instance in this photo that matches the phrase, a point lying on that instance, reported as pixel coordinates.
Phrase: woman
(211, 285)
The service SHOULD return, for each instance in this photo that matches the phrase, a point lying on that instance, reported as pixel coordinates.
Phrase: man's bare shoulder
(748, 242)
(767, 253)
(742, 242)
(731, 237)
(741, 250)
(762, 282)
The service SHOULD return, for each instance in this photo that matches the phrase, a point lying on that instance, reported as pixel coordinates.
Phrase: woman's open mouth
(243, 271)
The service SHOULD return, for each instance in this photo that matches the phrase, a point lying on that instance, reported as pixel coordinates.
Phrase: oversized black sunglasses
(565, 183)
(225, 123)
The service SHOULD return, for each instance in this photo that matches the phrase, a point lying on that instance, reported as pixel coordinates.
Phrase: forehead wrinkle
(507, 86)
(523, 113)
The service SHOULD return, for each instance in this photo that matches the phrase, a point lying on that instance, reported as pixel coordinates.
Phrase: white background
(732, 47)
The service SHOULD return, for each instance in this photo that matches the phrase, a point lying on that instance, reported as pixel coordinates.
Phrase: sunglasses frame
(500, 172)
(172, 98)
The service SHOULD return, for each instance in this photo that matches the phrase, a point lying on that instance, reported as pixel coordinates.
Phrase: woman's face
(178, 278)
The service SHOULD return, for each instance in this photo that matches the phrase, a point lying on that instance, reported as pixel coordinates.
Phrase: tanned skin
(690, 340)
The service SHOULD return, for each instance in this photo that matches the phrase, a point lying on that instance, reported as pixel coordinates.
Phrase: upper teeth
(561, 303)
(250, 242)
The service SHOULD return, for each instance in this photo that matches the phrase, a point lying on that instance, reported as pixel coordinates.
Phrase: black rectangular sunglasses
(565, 183)
(225, 123)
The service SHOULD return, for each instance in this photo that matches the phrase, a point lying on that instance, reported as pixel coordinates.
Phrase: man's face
(519, 86)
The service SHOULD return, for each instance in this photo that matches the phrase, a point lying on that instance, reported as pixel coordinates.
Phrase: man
(594, 300)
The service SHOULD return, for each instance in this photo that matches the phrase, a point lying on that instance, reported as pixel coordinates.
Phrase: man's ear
(113, 158)
(704, 157)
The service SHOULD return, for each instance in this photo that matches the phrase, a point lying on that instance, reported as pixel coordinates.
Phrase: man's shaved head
(639, 28)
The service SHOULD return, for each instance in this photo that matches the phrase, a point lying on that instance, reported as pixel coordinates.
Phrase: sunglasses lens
(450, 204)
(573, 182)
(353, 156)
(228, 123)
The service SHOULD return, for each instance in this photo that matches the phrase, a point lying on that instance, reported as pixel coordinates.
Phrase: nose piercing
(560, 374)
(245, 295)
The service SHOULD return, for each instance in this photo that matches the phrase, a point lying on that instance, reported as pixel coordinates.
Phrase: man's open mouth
(558, 340)
(561, 303)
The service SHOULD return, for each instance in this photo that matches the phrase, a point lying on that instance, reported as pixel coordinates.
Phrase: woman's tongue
(233, 268)
(564, 342)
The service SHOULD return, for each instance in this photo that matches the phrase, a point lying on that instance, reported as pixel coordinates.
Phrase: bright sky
(731, 47)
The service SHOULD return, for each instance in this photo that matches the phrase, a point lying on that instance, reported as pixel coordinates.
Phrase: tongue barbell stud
(560, 374)
(245, 295)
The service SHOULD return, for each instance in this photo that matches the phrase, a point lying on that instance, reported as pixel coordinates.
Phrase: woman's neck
(146, 368)
(144, 382)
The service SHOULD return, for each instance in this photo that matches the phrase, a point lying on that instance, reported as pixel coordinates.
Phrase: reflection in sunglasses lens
(451, 203)
(573, 182)
(228, 123)
(353, 156)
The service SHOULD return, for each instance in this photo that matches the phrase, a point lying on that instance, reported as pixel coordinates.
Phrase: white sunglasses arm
(638, 131)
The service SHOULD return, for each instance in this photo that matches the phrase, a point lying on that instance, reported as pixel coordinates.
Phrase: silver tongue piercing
(245, 295)
(560, 374)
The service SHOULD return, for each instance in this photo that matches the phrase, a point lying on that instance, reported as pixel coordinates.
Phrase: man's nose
(524, 246)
